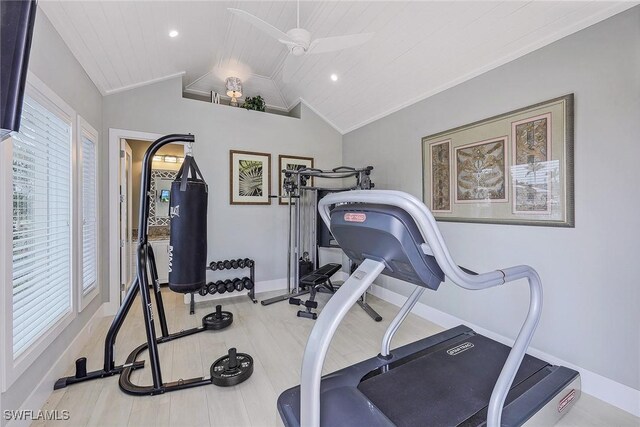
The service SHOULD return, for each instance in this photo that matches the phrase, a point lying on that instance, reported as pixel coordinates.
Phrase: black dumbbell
(203, 290)
(248, 283)
(229, 285)
(221, 287)
(211, 288)
(227, 264)
(220, 265)
(234, 263)
(241, 263)
(213, 265)
(238, 284)
(249, 263)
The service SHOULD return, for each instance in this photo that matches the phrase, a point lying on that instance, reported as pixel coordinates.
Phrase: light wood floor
(275, 337)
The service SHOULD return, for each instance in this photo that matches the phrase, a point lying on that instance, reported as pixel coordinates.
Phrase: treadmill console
(387, 234)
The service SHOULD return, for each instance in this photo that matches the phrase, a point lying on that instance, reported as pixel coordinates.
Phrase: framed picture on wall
(287, 162)
(250, 178)
(514, 168)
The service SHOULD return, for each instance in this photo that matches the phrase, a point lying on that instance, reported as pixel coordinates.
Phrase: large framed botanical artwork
(250, 180)
(515, 168)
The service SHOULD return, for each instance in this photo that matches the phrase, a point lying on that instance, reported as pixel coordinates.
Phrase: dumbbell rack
(230, 265)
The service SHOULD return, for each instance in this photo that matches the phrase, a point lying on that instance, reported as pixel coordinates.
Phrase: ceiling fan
(298, 40)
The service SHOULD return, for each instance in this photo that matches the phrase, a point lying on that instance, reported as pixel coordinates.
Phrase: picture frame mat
(235, 156)
(562, 153)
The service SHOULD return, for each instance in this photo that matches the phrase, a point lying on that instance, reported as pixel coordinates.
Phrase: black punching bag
(188, 238)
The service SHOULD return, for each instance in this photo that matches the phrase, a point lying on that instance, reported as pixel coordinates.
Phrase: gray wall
(53, 63)
(592, 296)
(257, 232)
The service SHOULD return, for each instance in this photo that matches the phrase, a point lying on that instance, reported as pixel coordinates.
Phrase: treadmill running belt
(444, 387)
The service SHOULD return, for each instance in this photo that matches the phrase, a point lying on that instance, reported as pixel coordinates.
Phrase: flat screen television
(17, 19)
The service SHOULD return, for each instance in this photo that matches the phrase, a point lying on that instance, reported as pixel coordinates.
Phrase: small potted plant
(255, 103)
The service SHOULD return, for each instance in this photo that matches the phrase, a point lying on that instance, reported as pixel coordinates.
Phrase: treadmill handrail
(322, 333)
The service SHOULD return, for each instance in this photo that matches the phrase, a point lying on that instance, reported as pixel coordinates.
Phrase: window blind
(41, 265)
(89, 214)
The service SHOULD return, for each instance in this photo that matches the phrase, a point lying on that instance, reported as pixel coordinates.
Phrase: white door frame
(115, 135)
(126, 175)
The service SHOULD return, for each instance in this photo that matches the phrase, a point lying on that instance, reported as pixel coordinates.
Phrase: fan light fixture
(234, 90)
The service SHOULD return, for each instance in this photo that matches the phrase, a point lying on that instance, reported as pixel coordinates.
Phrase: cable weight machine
(306, 234)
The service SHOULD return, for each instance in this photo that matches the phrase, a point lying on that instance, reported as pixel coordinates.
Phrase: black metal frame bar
(141, 284)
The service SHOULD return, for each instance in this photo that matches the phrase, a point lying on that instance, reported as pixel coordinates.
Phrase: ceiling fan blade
(331, 44)
(281, 36)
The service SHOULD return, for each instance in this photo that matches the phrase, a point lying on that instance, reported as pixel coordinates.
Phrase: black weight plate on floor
(213, 322)
(222, 376)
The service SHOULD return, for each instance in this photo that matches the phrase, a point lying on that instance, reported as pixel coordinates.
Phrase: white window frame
(84, 128)
(13, 369)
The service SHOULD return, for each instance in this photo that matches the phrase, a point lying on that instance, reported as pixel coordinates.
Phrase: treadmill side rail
(549, 400)
(322, 333)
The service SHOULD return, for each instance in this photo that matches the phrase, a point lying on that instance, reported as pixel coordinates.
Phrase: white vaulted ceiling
(419, 48)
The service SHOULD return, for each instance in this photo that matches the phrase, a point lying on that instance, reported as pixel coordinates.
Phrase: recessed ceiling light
(334, 77)
(173, 33)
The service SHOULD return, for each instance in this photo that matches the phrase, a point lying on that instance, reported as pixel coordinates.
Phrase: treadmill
(455, 378)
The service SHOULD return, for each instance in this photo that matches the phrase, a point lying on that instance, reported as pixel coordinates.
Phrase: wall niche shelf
(224, 101)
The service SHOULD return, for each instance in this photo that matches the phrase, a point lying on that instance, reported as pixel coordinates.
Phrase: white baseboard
(43, 390)
(263, 286)
(605, 389)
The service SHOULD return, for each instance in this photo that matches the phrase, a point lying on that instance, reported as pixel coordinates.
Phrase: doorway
(126, 152)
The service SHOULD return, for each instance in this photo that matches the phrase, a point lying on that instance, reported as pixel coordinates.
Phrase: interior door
(126, 244)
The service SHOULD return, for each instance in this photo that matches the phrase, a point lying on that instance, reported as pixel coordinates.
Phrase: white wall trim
(605, 389)
(84, 128)
(114, 211)
(540, 43)
(144, 83)
(261, 287)
(43, 390)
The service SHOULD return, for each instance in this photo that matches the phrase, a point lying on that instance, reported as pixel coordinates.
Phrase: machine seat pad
(321, 275)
